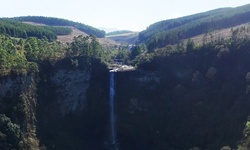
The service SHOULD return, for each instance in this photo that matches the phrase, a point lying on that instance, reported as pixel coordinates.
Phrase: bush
(33, 67)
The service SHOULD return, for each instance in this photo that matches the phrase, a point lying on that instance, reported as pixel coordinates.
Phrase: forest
(21, 56)
(22, 30)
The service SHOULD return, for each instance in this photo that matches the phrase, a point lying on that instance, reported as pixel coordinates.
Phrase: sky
(135, 15)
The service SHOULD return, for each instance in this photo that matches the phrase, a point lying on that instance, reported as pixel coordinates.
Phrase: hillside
(218, 34)
(172, 31)
(50, 21)
(51, 28)
(68, 38)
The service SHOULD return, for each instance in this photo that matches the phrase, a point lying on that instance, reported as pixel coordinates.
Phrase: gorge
(72, 108)
(180, 94)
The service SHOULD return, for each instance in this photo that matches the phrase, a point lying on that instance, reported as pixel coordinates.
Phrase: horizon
(124, 15)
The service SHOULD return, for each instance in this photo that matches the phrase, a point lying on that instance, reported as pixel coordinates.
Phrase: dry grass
(126, 38)
(76, 33)
(69, 38)
(107, 41)
(34, 23)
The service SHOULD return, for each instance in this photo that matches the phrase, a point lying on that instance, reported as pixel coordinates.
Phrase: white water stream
(112, 109)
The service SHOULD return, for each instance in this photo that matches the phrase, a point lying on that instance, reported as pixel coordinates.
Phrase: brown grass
(69, 38)
(76, 33)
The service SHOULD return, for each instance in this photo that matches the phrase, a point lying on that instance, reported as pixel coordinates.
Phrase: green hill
(172, 31)
(50, 21)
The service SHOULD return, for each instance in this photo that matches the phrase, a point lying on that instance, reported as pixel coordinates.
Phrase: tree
(135, 51)
(32, 49)
(95, 47)
(10, 133)
(190, 45)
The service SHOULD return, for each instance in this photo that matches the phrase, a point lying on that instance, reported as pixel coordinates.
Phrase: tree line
(22, 30)
(21, 56)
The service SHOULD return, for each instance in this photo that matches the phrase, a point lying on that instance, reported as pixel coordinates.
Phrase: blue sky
(133, 15)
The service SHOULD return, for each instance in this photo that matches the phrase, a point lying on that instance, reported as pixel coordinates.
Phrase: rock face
(203, 106)
(73, 105)
(59, 106)
(167, 108)
(71, 88)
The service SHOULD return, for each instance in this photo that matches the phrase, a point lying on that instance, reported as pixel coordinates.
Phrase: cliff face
(197, 99)
(71, 89)
(18, 101)
(73, 103)
(196, 110)
(64, 106)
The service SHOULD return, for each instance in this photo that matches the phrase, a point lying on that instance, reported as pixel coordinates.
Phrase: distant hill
(107, 30)
(123, 36)
(118, 32)
(50, 21)
(172, 31)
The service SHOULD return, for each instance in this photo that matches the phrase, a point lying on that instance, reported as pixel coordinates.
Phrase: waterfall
(112, 109)
(114, 144)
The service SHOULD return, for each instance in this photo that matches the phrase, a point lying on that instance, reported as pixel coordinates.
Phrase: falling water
(112, 110)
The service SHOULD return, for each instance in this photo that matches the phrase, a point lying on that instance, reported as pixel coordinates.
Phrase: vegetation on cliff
(24, 55)
(27, 62)
(10, 133)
